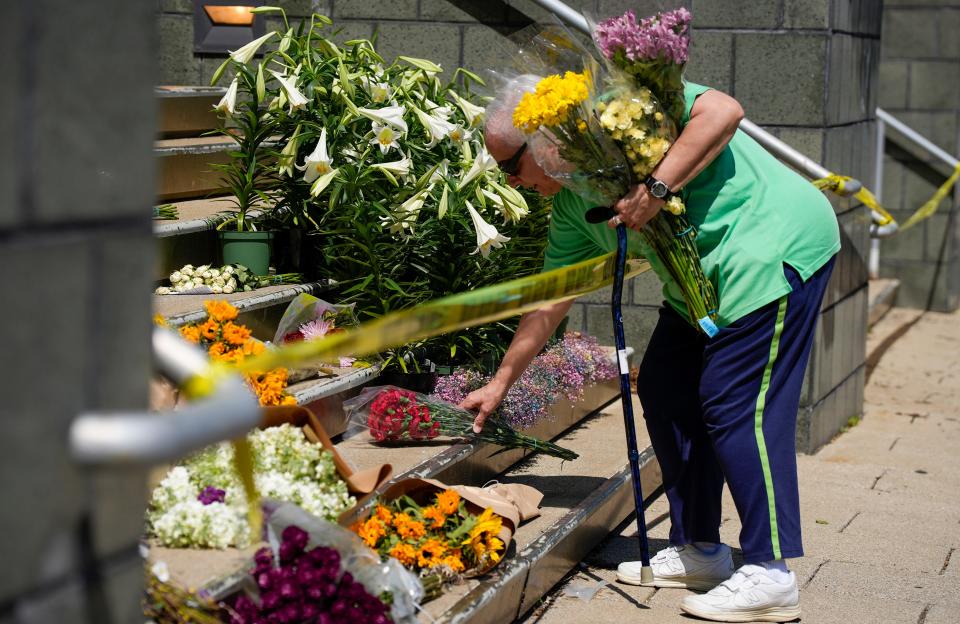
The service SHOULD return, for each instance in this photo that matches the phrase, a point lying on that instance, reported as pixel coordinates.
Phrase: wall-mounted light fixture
(223, 25)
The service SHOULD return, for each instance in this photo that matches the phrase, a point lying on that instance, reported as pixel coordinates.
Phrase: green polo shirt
(752, 214)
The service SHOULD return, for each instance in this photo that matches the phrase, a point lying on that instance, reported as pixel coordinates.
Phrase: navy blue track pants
(740, 424)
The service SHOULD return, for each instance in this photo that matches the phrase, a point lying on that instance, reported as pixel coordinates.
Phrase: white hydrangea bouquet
(201, 502)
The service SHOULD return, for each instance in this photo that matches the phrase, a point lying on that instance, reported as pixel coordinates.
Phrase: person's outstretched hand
(483, 401)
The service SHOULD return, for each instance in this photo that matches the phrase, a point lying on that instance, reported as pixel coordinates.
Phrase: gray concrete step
(260, 309)
(882, 295)
(184, 168)
(583, 501)
(186, 111)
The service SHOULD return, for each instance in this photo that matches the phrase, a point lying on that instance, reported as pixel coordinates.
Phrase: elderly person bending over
(720, 408)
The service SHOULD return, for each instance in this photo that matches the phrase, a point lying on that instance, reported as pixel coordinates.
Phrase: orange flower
(210, 329)
(371, 531)
(404, 553)
(253, 347)
(191, 333)
(448, 501)
(220, 310)
(437, 517)
(454, 561)
(159, 321)
(217, 350)
(407, 527)
(235, 334)
(383, 514)
(431, 553)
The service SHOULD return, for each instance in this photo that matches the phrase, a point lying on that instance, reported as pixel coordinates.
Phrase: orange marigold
(253, 347)
(371, 531)
(383, 514)
(407, 527)
(448, 501)
(235, 334)
(431, 553)
(437, 518)
(210, 329)
(191, 333)
(220, 310)
(404, 553)
(454, 561)
(217, 350)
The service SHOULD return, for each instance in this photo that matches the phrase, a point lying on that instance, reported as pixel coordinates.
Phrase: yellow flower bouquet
(446, 533)
(227, 341)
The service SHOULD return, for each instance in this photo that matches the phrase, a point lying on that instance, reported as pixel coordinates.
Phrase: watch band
(651, 181)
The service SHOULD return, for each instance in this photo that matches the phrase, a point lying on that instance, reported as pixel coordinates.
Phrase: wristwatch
(658, 188)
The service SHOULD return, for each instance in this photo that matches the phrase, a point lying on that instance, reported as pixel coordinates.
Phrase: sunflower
(209, 329)
(407, 527)
(191, 333)
(383, 514)
(482, 538)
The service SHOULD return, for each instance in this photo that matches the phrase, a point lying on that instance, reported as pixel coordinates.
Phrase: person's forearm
(712, 124)
(534, 330)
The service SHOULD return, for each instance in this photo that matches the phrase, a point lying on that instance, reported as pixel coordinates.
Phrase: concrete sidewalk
(880, 504)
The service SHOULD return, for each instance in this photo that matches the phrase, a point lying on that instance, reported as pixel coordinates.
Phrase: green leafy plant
(384, 169)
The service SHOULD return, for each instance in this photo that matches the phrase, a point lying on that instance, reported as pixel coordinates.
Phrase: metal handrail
(149, 438)
(918, 139)
(885, 119)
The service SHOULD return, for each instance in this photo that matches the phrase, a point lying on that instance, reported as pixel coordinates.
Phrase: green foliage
(390, 218)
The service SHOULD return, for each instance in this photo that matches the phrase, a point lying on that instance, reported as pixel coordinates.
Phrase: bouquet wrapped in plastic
(598, 131)
(315, 567)
(392, 414)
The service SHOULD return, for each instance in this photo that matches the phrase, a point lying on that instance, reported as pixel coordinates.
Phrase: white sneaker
(750, 595)
(682, 566)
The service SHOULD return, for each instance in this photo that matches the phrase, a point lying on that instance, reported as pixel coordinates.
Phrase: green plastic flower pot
(251, 249)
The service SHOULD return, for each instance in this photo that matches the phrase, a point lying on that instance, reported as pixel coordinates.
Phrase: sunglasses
(511, 165)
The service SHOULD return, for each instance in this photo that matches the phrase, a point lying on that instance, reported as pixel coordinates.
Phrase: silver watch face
(659, 189)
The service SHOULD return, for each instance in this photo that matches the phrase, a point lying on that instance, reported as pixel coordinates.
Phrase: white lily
(228, 103)
(471, 111)
(441, 173)
(244, 54)
(409, 210)
(379, 92)
(437, 128)
(318, 163)
(514, 206)
(487, 235)
(483, 163)
(435, 109)
(399, 167)
(459, 134)
(294, 97)
(385, 137)
(388, 115)
(288, 155)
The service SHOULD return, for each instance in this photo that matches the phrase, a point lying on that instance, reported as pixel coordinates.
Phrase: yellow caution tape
(835, 183)
(931, 205)
(441, 316)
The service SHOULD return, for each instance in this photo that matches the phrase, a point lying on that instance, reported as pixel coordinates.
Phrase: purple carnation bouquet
(654, 51)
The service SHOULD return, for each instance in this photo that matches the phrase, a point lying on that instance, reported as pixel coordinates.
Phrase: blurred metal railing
(150, 438)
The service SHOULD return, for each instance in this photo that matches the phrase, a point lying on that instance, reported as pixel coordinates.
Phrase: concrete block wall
(805, 69)
(76, 186)
(920, 85)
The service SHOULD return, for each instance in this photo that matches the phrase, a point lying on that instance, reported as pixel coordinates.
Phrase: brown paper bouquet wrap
(512, 503)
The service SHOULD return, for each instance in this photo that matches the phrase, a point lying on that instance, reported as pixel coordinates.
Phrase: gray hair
(498, 120)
